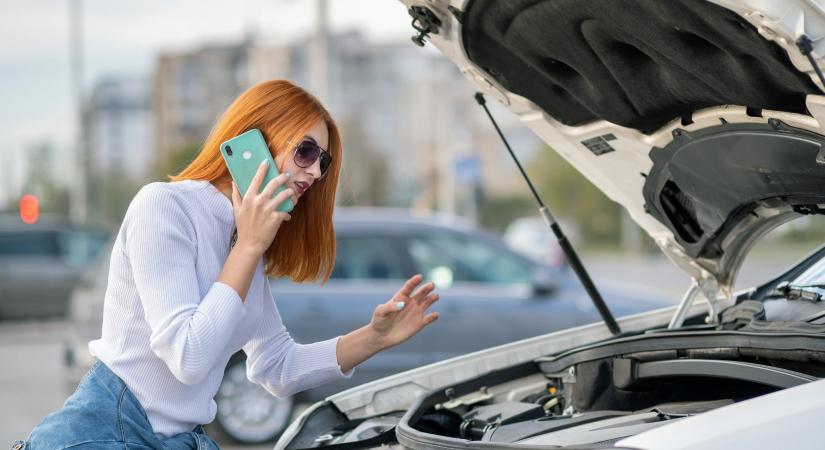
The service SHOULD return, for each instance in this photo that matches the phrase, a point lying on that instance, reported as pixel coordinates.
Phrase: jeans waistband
(103, 375)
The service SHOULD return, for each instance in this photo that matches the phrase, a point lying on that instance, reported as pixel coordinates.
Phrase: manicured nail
(287, 174)
(399, 305)
(265, 162)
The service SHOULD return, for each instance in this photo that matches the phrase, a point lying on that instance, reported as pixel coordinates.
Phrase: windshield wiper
(810, 292)
(565, 245)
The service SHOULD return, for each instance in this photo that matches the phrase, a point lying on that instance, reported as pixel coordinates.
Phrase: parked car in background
(483, 284)
(40, 263)
(533, 237)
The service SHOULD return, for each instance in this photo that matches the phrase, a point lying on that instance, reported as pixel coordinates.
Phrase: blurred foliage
(55, 199)
(808, 229)
(40, 181)
(112, 191)
(497, 212)
(110, 195)
(176, 161)
(568, 194)
(363, 180)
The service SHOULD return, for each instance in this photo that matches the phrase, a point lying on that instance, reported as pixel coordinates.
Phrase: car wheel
(247, 413)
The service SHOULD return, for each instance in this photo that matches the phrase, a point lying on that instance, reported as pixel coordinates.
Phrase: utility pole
(79, 195)
(318, 60)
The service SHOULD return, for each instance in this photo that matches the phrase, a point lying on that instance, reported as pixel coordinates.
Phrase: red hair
(304, 247)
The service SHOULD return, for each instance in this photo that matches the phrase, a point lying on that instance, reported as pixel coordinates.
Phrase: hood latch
(425, 22)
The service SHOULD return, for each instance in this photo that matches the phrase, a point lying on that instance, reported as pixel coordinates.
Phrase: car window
(449, 257)
(366, 258)
(29, 243)
(80, 247)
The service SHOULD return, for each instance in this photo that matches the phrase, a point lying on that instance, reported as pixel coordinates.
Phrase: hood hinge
(424, 22)
(709, 288)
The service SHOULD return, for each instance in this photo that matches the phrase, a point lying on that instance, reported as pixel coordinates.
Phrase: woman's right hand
(256, 214)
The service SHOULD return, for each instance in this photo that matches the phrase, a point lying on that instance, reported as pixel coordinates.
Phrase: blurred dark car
(482, 284)
(41, 263)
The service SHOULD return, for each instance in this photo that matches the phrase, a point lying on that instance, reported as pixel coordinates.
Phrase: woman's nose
(315, 169)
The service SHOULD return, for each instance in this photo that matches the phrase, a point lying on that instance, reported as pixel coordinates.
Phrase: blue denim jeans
(103, 414)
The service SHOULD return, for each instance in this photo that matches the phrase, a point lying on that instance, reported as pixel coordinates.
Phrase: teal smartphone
(243, 155)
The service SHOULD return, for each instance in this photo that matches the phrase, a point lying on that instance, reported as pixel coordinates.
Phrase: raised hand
(405, 314)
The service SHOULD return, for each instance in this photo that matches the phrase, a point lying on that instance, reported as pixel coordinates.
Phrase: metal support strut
(569, 252)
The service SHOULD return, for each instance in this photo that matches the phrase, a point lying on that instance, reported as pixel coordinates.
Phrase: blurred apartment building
(192, 88)
(120, 127)
(405, 106)
(414, 107)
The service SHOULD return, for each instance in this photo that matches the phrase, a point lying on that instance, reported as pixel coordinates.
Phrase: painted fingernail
(265, 162)
(287, 174)
(399, 305)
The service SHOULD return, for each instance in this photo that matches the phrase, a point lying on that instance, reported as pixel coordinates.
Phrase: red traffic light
(29, 209)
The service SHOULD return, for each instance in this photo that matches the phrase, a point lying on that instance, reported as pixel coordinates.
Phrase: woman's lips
(302, 187)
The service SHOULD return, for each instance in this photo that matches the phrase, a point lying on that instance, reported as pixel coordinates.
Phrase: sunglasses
(307, 152)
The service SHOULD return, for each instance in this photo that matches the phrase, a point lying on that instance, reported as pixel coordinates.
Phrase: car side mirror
(543, 282)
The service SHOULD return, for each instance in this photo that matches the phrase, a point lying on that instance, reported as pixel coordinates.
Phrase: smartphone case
(243, 155)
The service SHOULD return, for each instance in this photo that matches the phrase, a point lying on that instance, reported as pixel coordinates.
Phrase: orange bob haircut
(304, 247)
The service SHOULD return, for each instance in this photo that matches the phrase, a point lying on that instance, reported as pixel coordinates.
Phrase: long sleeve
(281, 365)
(188, 330)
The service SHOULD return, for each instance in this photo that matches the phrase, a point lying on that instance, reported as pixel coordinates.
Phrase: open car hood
(704, 119)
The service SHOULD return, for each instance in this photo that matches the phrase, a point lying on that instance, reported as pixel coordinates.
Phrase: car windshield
(447, 258)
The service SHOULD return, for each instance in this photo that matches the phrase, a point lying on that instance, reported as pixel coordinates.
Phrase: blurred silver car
(481, 281)
(40, 264)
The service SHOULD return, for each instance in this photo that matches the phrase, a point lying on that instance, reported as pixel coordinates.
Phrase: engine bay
(593, 396)
(594, 403)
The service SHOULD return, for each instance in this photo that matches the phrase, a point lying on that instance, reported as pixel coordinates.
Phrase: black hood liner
(639, 63)
(704, 183)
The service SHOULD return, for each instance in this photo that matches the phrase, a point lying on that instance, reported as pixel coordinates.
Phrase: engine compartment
(581, 401)
(592, 403)
(587, 397)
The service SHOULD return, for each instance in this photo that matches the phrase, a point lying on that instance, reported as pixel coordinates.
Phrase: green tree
(40, 181)
(112, 192)
(570, 195)
(364, 180)
(497, 212)
(177, 160)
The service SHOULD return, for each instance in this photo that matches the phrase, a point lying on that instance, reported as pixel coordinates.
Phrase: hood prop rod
(565, 245)
(806, 46)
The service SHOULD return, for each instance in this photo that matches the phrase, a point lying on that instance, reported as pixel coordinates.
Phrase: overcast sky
(123, 37)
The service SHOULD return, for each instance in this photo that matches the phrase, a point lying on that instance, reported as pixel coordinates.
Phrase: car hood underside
(638, 64)
(702, 118)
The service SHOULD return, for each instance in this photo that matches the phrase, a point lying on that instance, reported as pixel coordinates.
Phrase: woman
(187, 287)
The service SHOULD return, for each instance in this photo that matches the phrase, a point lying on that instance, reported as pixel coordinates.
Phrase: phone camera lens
(228, 150)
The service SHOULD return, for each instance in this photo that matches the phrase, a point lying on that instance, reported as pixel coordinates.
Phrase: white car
(705, 120)
(531, 237)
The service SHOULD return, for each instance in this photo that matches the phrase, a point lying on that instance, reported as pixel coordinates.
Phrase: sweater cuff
(335, 358)
(325, 353)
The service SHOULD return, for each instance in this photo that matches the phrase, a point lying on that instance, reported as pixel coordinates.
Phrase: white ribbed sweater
(169, 328)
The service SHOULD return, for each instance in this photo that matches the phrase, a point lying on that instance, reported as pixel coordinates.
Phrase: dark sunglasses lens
(306, 154)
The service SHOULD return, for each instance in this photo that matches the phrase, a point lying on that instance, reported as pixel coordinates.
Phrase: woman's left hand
(405, 314)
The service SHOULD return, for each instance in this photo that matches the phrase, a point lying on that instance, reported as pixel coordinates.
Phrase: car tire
(247, 413)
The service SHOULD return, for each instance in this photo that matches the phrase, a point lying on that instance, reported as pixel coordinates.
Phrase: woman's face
(302, 178)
